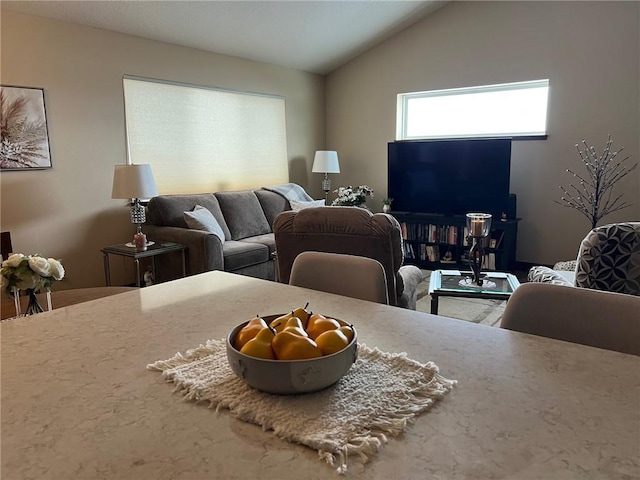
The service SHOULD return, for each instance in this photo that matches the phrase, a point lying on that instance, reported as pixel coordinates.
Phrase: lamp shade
(326, 161)
(133, 181)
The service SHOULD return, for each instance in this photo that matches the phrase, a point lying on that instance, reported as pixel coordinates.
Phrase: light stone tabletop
(79, 403)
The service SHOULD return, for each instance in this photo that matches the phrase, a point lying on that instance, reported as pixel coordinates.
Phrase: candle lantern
(478, 226)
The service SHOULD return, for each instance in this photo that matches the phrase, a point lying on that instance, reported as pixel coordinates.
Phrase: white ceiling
(309, 35)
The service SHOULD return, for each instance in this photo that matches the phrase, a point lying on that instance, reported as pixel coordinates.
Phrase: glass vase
(16, 301)
(33, 305)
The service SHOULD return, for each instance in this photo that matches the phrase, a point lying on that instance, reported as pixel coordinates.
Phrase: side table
(446, 283)
(152, 251)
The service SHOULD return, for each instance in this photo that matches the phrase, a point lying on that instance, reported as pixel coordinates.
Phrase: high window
(505, 110)
(200, 139)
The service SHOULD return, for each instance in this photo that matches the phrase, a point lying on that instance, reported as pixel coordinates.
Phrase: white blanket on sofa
(290, 191)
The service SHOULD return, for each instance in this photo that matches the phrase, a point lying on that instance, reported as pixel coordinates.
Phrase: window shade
(200, 140)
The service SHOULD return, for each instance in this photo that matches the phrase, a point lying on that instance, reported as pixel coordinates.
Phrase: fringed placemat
(377, 398)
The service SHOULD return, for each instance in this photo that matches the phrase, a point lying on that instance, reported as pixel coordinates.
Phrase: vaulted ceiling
(313, 36)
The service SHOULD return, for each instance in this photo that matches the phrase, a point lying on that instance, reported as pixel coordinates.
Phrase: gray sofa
(245, 217)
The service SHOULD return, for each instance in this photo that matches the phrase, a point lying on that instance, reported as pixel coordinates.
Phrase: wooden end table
(125, 250)
(446, 283)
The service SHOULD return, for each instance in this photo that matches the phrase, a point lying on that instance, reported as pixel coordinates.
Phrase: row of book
(488, 261)
(430, 233)
(446, 234)
(427, 253)
(434, 254)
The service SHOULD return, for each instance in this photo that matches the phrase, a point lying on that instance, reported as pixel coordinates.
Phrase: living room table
(447, 283)
(78, 401)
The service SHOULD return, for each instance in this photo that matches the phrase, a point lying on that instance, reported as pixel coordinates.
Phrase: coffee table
(446, 283)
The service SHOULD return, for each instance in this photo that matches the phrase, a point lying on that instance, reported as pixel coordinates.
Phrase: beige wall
(67, 212)
(589, 51)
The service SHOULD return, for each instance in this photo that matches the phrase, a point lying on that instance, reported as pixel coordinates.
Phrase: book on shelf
(489, 261)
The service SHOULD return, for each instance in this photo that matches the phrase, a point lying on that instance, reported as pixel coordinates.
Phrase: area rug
(379, 396)
(476, 310)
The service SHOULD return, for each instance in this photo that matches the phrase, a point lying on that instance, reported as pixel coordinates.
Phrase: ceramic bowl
(291, 376)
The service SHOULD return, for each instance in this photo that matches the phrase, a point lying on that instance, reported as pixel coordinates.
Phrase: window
(506, 110)
(200, 139)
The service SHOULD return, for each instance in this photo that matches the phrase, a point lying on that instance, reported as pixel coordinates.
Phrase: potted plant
(386, 204)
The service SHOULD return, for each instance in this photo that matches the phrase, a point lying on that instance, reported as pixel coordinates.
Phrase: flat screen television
(449, 177)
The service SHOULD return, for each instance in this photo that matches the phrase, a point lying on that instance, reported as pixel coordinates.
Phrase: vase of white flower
(353, 197)
(31, 273)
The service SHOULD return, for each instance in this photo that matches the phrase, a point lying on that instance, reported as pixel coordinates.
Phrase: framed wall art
(24, 138)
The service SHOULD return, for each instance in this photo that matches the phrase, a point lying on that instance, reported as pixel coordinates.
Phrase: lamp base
(326, 184)
(471, 283)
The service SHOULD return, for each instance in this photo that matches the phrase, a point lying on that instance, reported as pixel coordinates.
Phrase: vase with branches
(593, 195)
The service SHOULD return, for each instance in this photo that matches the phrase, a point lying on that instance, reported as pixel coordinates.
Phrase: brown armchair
(350, 231)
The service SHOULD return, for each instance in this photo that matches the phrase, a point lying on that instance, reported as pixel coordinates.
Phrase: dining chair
(580, 315)
(348, 275)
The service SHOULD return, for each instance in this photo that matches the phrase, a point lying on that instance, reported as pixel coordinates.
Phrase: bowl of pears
(291, 353)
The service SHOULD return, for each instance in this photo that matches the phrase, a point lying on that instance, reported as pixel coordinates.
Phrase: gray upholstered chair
(579, 315)
(348, 275)
(608, 259)
(350, 231)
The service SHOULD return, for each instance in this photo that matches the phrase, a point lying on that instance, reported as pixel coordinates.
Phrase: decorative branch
(592, 198)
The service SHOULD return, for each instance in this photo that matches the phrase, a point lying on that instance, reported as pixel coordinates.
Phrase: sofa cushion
(168, 210)
(609, 259)
(297, 206)
(243, 214)
(268, 239)
(202, 219)
(542, 274)
(272, 203)
(243, 254)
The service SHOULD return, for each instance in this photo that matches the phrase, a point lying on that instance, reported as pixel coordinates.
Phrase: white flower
(13, 261)
(40, 265)
(57, 270)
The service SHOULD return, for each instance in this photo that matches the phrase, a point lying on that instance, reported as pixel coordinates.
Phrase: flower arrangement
(30, 272)
(350, 196)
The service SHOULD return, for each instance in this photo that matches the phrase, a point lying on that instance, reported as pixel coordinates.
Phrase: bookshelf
(440, 242)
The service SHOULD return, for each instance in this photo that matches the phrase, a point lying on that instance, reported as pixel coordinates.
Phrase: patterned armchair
(608, 259)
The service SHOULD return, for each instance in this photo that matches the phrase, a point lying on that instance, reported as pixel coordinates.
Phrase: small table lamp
(135, 182)
(326, 161)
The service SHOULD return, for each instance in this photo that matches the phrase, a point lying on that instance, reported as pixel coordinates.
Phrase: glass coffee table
(451, 283)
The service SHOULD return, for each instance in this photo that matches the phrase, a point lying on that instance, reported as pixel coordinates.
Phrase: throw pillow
(200, 218)
(297, 206)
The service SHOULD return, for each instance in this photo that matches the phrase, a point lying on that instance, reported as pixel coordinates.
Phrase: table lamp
(135, 182)
(326, 161)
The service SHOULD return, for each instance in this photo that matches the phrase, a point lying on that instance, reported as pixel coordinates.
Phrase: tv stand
(435, 241)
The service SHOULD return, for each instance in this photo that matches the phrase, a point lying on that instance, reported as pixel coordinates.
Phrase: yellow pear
(260, 345)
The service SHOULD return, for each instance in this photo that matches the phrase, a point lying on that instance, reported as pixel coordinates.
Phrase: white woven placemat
(377, 398)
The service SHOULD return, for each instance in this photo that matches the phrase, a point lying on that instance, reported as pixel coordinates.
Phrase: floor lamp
(326, 161)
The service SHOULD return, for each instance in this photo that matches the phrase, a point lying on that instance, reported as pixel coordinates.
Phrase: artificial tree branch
(593, 198)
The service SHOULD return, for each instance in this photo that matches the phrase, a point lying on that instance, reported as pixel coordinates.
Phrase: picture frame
(24, 134)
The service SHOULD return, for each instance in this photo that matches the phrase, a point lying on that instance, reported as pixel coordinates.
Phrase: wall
(590, 53)
(67, 212)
